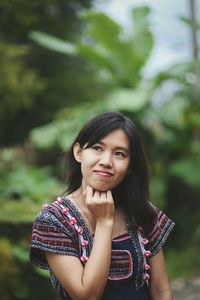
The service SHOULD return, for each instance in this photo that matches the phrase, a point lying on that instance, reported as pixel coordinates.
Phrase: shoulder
(53, 232)
(163, 225)
(55, 214)
(161, 222)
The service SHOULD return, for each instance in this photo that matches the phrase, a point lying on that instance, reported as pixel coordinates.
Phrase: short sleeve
(161, 230)
(52, 233)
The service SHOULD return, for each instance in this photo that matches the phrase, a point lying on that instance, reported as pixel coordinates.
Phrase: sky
(172, 36)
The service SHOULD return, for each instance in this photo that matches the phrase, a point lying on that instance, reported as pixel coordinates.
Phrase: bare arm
(88, 283)
(159, 283)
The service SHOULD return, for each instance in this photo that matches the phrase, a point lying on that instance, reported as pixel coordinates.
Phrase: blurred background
(63, 61)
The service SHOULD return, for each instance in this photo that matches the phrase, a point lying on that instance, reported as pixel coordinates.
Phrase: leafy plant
(118, 54)
(23, 181)
(8, 270)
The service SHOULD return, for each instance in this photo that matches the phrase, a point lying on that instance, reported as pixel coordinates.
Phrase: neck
(78, 197)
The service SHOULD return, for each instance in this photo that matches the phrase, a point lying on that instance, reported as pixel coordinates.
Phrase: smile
(103, 173)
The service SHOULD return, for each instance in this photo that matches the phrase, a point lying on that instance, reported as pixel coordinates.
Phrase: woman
(104, 239)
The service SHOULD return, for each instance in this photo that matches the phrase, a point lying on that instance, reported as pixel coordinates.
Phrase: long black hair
(132, 194)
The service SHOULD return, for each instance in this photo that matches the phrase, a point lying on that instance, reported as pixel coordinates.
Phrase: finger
(96, 196)
(89, 193)
(103, 196)
(109, 196)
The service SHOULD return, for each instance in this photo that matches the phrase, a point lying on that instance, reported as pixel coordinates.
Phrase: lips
(103, 173)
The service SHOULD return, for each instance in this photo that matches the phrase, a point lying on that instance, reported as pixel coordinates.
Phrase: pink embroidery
(146, 253)
(146, 276)
(79, 229)
(72, 220)
(65, 210)
(84, 243)
(58, 200)
(121, 260)
(145, 241)
(146, 267)
(84, 258)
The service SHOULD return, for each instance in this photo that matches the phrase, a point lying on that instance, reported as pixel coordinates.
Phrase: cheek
(124, 168)
(121, 176)
(86, 163)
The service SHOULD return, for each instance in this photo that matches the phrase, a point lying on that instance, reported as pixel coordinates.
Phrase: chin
(102, 188)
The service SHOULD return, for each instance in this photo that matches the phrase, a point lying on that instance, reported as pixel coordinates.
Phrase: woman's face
(105, 164)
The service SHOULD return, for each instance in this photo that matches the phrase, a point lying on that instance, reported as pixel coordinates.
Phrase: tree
(35, 83)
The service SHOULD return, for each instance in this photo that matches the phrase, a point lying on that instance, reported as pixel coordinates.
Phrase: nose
(106, 160)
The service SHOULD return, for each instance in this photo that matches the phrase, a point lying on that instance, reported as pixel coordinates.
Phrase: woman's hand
(100, 204)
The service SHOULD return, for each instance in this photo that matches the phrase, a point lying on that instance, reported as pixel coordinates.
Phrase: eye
(120, 154)
(97, 148)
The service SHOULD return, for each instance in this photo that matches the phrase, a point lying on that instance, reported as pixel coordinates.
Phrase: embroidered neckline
(132, 228)
(84, 236)
(75, 210)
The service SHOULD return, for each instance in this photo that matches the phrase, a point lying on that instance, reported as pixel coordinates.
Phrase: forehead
(116, 138)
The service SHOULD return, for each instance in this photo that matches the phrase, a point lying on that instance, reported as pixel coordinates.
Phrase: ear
(77, 152)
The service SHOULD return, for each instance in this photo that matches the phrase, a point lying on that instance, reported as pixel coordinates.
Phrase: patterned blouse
(59, 228)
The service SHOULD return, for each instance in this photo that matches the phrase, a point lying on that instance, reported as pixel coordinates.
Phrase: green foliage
(19, 85)
(119, 58)
(57, 16)
(142, 34)
(20, 251)
(22, 212)
(105, 44)
(53, 43)
(188, 170)
(60, 133)
(23, 188)
(22, 181)
(188, 21)
(35, 84)
(9, 271)
(57, 134)
(158, 190)
(122, 99)
(183, 263)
